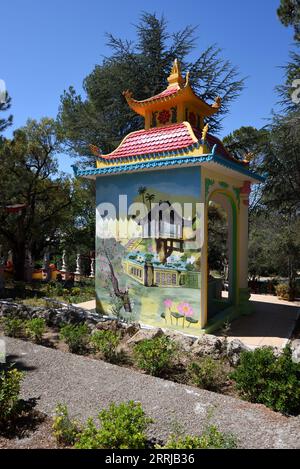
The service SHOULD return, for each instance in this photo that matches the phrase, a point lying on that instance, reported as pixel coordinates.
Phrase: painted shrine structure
(155, 264)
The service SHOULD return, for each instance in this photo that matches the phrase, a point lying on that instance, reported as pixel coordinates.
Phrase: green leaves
(10, 383)
(121, 427)
(155, 355)
(106, 342)
(266, 379)
(76, 337)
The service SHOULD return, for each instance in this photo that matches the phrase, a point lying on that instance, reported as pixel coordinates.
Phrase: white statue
(92, 274)
(64, 264)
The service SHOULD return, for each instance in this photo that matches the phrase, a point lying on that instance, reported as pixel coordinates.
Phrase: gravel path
(87, 385)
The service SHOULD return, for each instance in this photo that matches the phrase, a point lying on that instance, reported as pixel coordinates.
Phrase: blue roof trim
(236, 167)
(169, 162)
(148, 164)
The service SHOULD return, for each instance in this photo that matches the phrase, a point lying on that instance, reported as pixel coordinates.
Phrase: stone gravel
(87, 385)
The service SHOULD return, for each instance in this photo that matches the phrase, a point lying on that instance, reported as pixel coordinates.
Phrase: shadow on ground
(274, 322)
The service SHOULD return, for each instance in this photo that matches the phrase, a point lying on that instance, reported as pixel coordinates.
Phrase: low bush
(283, 291)
(64, 428)
(76, 337)
(35, 329)
(75, 291)
(13, 327)
(106, 342)
(208, 373)
(121, 427)
(10, 383)
(263, 378)
(211, 438)
(155, 356)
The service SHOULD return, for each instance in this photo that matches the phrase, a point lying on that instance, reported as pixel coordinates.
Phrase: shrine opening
(154, 194)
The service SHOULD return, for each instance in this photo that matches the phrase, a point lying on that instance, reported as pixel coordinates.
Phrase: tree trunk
(123, 295)
(19, 263)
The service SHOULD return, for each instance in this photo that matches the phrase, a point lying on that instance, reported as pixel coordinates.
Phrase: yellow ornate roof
(179, 91)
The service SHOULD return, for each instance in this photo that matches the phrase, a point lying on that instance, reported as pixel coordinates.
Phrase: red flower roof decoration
(164, 116)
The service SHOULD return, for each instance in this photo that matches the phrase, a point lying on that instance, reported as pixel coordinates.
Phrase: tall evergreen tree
(103, 117)
(5, 103)
(289, 15)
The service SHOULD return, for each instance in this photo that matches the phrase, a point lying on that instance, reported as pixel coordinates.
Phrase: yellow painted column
(204, 254)
(243, 236)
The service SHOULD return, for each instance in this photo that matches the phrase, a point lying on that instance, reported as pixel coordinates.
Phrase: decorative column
(64, 267)
(78, 271)
(92, 274)
(244, 292)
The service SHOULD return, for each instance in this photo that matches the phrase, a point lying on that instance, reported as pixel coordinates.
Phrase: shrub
(76, 337)
(266, 379)
(64, 428)
(76, 291)
(155, 355)
(10, 383)
(35, 329)
(208, 373)
(211, 438)
(13, 327)
(283, 291)
(121, 427)
(106, 342)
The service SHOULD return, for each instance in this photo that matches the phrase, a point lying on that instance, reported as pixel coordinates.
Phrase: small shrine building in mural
(153, 194)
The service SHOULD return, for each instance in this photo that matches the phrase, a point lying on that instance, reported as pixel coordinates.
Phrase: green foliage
(283, 291)
(64, 428)
(35, 329)
(208, 374)
(13, 327)
(106, 342)
(289, 14)
(211, 438)
(266, 379)
(76, 337)
(217, 232)
(4, 106)
(27, 162)
(76, 291)
(121, 427)
(10, 383)
(155, 356)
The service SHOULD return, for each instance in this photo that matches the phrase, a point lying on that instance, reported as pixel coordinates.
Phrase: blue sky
(46, 46)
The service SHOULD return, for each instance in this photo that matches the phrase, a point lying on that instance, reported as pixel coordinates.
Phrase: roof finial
(204, 132)
(175, 77)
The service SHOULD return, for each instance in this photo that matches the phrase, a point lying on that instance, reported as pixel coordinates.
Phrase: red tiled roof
(159, 139)
(221, 150)
(163, 94)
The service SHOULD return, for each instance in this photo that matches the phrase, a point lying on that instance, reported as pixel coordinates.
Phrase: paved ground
(272, 323)
(87, 385)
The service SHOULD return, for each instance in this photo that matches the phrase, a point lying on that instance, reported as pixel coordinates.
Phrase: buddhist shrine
(153, 195)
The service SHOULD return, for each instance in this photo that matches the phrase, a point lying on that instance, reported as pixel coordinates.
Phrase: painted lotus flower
(168, 303)
(185, 309)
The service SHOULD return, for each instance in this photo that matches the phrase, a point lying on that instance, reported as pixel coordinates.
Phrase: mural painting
(150, 271)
